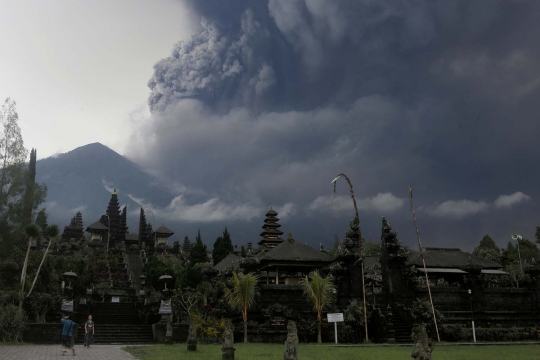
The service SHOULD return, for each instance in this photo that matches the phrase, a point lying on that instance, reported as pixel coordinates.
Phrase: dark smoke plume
(268, 100)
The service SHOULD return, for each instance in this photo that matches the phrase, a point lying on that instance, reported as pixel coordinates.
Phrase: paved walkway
(47, 352)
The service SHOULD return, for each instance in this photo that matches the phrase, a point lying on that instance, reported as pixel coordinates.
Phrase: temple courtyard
(272, 352)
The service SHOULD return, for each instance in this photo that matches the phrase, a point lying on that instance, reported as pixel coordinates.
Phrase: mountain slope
(82, 179)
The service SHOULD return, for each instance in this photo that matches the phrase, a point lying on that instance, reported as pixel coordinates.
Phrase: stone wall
(499, 307)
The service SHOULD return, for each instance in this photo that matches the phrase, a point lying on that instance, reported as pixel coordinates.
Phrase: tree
(527, 249)
(28, 202)
(242, 295)
(186, 300)
(488, 249)
(320, 292)
(222, 247)
(372, 249)
(12, 161)
(537, 234)
(335, 248)
(19, 194)
(198, 252)
(41, 219)
(204, 288)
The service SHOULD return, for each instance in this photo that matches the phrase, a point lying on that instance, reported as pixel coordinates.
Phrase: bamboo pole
(360, 244)
(424, 263)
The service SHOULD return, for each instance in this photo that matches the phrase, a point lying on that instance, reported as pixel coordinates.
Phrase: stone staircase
(118, 323)
(402, 331)
(136, 267)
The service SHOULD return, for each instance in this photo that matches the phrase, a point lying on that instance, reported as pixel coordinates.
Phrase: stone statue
(227, 349)
(291, 344)
(192, 336)
(423, 346)
(228, 336)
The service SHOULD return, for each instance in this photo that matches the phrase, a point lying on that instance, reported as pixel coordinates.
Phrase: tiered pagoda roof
(291, 253)
(187, 246)
(97, 227)
(271, 235)
(162, 230)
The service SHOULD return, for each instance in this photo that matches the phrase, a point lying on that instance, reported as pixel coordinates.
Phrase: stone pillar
(192, 337)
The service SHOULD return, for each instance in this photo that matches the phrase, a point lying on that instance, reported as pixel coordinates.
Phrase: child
(67, 335)
(89, 332)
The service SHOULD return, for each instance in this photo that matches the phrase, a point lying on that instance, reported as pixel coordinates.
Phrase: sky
(239, 105)
(78, 69)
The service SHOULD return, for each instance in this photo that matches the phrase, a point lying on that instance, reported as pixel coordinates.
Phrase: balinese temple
(290, 261)
(132, 241)
(271, 235)
(98, 233)
(277, 261)
(74, 232)
(161, 236)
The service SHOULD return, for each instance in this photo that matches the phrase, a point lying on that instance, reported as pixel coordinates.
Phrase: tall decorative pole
(517, 237)
(360, 245)
(424, 263)
(108, 233)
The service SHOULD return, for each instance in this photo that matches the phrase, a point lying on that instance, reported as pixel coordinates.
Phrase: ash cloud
(269, 100)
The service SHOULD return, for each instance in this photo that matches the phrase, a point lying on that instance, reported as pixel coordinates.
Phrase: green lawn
(314, 352)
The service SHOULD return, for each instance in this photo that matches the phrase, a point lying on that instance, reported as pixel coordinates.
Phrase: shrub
(12, 323)
(210, 330)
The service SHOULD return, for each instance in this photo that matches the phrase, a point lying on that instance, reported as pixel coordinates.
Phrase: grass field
(314, 352)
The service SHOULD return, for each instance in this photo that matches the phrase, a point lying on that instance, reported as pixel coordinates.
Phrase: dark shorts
(67, 342)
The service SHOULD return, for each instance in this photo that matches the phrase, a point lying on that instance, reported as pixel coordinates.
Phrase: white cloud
(507, 201)
(109, 186)
(209, 211)
(80, 208)
(382, 202)
(459, 208)
(462, 208)
(386, 202)
(289, 209)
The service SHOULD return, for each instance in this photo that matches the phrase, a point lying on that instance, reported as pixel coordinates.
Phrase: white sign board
(115, 299)
(337, 317)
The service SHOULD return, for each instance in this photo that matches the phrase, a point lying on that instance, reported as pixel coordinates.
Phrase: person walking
(89, 332)
(67, 335)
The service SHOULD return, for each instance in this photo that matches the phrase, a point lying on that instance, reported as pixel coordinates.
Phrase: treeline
(24, 274)
(515, 261)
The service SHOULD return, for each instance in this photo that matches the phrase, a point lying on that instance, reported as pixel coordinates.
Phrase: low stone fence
(44, 333)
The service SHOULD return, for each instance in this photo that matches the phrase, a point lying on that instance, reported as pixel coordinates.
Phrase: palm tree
(320, 292)
(242, 295)
(32, 231)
